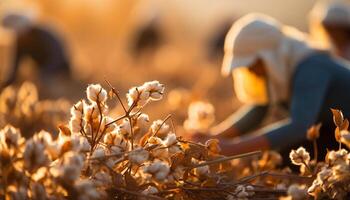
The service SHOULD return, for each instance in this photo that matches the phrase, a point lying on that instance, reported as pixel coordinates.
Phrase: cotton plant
(22, 108)
(331, 177)
(200, 116)
(132, 156)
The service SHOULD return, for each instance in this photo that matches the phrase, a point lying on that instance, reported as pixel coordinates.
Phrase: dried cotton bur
(131, 156)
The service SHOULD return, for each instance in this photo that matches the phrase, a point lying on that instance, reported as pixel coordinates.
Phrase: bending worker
(274, 64)
(330, 24)
(37, 43)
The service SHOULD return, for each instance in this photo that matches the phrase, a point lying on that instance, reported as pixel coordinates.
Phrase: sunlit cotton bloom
(150, 190)
(75, 124)
(141, 95)
(337, 157)
(124, 128)
(10, 137)
(70, 168)
(96, 93)
(138, 156)
(155, 89)
(91, 112)
(170, 139)
(78, 109)
(160, 128)
(299, 156)
(142, 120)
(159, 169)
(200, 116)
(34, 155)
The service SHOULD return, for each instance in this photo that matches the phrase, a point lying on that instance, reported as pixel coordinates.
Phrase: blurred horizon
(99, 36)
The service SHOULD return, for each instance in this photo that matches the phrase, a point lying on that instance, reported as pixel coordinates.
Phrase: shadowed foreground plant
(96, 156)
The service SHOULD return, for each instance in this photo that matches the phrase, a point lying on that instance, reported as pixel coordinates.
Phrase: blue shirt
(320, 82)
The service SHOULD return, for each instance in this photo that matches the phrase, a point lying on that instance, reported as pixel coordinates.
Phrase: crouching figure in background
(274, 64)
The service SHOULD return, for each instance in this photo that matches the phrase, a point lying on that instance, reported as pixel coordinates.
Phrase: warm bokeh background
(100, 34)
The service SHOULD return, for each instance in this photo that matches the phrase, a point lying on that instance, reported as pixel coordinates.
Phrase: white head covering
(336, 13)
(18, 21)
(280, 47)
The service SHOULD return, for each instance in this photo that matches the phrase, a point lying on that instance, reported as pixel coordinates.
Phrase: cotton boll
(141, 95)
(71, 167)
(121, 142)
(43, 137)
(132, 95)
(98, 153)
(142, 121)
(155, 89)
(124, 128)
(156, 96)
(34, 155)
(102, 179)
(78, 109)
(90, 113)
(171, 139)
(111, 127)
(336, 157)
(75, 124)
(299, 156)
(96, 93)
(150, 190)
(162, 174)
(10, 137)
(137, 96)
(160, 128)
(159, 169)
(138, 156)
(84, 144)
(200, 116)
(143, 98)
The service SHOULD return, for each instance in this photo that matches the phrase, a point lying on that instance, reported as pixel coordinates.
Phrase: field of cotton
(144, 80)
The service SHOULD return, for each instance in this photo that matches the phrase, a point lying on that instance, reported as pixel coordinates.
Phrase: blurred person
(40, 44)
(146, 38)
(330, 23)
(273, 64)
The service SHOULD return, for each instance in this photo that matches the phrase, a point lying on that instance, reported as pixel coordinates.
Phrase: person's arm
(309, 92)
(56, 58)
(244, 120)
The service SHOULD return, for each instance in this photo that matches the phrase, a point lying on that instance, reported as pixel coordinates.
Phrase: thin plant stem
(315, 150)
